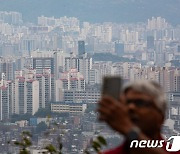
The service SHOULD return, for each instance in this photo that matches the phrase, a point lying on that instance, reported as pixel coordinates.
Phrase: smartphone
(112, 86)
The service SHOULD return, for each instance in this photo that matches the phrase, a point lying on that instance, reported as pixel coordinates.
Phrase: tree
(16, 117)
(43, 113)
(24, 143)
(41, 127)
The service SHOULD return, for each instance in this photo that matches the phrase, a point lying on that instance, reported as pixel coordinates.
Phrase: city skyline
(121, 11)
(51, 73)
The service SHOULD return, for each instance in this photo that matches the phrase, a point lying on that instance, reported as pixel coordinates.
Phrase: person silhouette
(138, 115)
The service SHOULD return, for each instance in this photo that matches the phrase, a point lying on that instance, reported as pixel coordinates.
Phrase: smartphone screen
(112, 86)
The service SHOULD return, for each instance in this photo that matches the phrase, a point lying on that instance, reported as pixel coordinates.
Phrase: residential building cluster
(54, 65)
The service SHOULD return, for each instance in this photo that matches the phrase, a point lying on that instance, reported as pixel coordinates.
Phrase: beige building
(72, 108)
(73, 80)
(26, 96)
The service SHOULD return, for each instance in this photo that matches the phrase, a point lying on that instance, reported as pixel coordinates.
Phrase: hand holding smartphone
(112, 86)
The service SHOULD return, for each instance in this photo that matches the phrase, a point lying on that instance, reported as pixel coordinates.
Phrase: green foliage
(86, 152)
(43, 113)
(102, 140)
(41, 127)
(17, 117)
(51, 149)
(27, 142)
(60, 145)
(110, 57)
(24, 143)
(97, 145)
(24, 152)
(27, 133)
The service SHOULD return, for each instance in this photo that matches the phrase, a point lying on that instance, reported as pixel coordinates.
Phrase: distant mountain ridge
(96, 10)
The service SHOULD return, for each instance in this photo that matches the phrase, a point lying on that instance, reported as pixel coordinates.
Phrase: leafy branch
(24, 143)
(97, 145)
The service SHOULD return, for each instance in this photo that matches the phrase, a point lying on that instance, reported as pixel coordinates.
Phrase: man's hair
(152, 89)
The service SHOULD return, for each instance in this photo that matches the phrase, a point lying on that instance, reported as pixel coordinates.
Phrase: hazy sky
(96, 10)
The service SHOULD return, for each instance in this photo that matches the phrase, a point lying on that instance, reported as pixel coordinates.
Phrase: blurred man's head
(146, 105)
